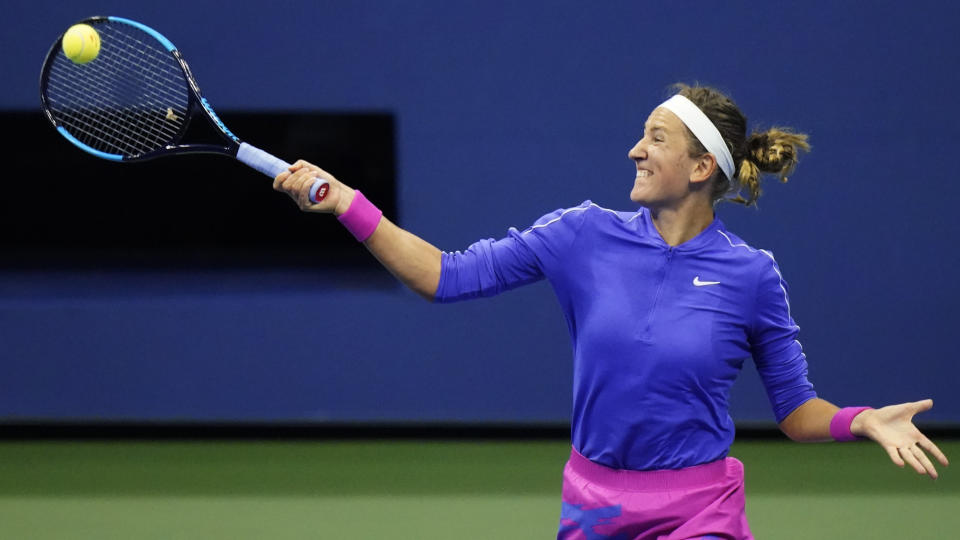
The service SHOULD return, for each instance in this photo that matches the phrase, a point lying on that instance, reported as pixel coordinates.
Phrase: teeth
(643, 174)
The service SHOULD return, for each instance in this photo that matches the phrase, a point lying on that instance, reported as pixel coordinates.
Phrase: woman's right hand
(297, 180)
(415, 262)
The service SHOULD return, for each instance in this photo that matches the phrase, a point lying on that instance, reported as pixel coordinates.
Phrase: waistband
(698, 475)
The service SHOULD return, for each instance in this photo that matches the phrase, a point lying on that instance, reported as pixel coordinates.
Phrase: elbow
(794, 426)
(427, 288)
(808, 422)
(430, 283)
(791, 434)
(798, 433)
(428, 291)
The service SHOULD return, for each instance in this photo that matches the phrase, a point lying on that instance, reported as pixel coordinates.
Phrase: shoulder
(735, 247)
(758, 263)
(587, 211)
(760, 273)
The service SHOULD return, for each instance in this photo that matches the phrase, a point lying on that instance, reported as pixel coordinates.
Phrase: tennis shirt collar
(701, 241)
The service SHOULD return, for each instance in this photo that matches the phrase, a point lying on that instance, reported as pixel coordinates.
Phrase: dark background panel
(190, 211)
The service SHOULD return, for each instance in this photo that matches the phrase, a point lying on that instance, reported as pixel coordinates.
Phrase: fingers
(911, 459)
(299, 165)
(296, 181)
(915, 457)
(928, 445)
(921, 456)
(299, 186)
(280, 178)
(894, 454)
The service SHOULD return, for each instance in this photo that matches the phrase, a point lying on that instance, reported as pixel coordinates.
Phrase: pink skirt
(705, 501)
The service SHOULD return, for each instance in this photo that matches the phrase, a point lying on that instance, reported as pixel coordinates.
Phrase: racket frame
(197, 103)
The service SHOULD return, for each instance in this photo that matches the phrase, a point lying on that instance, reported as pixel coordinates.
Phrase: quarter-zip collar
(698, 242)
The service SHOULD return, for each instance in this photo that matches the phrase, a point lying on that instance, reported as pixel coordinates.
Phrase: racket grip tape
(271, 166)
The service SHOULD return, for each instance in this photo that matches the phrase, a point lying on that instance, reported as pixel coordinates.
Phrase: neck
(678, 225)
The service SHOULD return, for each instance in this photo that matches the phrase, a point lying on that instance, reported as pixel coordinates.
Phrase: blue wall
(506, 111)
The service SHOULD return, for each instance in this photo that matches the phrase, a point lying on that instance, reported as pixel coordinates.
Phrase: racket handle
(319, 190)
(271, 166)
(264, 162)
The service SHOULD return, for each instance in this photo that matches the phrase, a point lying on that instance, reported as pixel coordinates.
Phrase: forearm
(412, 260)
(415, 262)
(810, 422)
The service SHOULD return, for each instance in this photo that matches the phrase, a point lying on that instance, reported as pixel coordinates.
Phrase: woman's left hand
(892, 428)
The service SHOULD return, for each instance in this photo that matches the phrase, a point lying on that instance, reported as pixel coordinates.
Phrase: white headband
(703, 129)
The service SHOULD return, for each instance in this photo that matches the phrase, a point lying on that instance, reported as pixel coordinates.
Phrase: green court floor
(424, 490)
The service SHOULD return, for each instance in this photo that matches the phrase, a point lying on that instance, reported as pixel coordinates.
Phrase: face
(664, 166)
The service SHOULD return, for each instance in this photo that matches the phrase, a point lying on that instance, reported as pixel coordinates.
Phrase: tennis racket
(135, 100)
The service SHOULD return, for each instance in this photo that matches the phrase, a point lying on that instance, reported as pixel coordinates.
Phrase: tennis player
(664, 305)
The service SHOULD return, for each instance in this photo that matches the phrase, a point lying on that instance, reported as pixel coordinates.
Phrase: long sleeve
(489, 267)
(776, 351)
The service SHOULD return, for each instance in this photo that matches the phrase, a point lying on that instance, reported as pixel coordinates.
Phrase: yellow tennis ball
(81, 43)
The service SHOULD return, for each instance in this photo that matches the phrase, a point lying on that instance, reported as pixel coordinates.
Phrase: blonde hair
(774, 151)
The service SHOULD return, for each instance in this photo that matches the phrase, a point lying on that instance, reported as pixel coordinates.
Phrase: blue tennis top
(659, 333)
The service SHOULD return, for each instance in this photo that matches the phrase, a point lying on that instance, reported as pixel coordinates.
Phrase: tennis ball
(81, 43)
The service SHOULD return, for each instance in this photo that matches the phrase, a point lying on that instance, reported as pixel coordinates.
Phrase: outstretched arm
(415, 262)
(891, 427)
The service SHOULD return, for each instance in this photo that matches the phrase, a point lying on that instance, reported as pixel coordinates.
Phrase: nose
(638, 151)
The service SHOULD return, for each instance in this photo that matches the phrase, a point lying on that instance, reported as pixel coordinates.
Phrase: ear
(703, 168)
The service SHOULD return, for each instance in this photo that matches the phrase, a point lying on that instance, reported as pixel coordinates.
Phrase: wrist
(849, 423)
(858, 426)
(361, 218)
(346, 199)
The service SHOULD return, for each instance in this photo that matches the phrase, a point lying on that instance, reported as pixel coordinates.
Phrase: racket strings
(137, 123)
(130, 100)
(103, 110)
(154, 95)
(123, 131)
(129, 129)
(142, 99)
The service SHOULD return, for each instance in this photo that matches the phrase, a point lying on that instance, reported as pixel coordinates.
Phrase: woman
(663, 305)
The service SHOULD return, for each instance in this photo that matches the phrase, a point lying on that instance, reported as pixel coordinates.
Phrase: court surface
(425, 490)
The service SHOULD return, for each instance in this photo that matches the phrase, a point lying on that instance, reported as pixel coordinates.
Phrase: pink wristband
(362, 218)
(840, 423)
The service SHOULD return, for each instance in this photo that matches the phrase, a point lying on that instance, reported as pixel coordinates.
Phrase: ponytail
(774, 151)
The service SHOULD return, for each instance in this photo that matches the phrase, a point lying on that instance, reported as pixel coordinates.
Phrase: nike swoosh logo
(698, 283)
